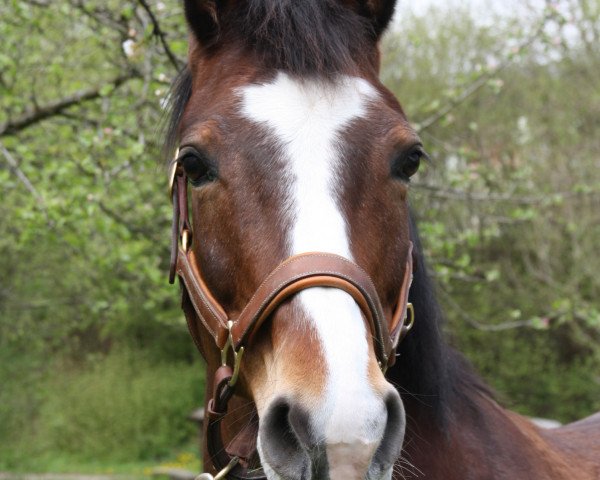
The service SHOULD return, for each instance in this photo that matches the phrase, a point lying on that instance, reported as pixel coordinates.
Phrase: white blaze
(306, 118)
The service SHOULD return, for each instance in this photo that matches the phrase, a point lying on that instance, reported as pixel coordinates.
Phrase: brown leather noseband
(233, 336)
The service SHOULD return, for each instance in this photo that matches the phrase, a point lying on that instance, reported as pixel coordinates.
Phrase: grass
(185, 458)
(123, 413)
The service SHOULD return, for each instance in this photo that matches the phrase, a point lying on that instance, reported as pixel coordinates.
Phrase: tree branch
(481, 80)
(135, 230)
(39, 3)
(52, 109)
(497, 327)
(101, 16)
(160, 34)
(464, 195)
(14, 166)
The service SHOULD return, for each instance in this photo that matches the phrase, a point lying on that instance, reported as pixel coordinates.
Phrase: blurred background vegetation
(96, 366)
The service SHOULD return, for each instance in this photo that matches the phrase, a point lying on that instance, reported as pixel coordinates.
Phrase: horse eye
(412, 163)
(407, 165)
(198, 169)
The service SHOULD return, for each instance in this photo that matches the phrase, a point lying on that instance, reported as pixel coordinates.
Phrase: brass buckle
(237, 356)
(409, 322)
(383, 367)
(173, 173)
(410, 317)
(222, 474)
(185, 240)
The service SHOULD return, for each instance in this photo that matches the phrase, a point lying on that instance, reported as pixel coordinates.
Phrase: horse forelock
(319, 38)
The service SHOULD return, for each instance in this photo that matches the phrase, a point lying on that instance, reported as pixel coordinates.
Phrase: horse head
(290, 145)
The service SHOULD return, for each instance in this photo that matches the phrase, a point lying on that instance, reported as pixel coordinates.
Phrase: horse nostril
(391, 444)
(285, 440)
(288, 447)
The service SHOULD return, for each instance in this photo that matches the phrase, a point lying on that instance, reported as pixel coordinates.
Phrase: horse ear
(203, 19)
(379, 12)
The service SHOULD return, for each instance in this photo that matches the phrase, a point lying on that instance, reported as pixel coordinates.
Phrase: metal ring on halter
(222, 474)
(237, 356)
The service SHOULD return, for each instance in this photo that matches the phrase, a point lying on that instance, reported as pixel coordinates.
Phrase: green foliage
(510, 208)
(530, 373)
(92, 233)
(95, 359)
(121, 408)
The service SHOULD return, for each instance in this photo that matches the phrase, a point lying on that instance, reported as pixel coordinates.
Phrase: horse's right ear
(203, 19)
(379, 12)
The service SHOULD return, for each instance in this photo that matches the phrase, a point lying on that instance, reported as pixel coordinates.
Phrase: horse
(303, 280)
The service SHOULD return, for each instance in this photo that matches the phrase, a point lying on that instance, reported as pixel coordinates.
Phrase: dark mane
(304, 38)
(427, 369)
(181, 91)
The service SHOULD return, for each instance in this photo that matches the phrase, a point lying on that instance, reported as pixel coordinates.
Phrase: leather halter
(233, 336)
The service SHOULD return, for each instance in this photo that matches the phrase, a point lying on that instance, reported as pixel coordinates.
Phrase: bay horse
(298, 258)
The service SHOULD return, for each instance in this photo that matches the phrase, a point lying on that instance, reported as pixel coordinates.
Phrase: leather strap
(174, 236)
(300, 272)
(297, 273)
(398, 330)
(243, 446)
(207, 308)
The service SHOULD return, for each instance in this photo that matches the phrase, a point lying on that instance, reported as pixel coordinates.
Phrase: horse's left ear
(203, 19)
(379, 12)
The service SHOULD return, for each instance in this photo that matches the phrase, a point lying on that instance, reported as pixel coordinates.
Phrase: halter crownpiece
(297, 273)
